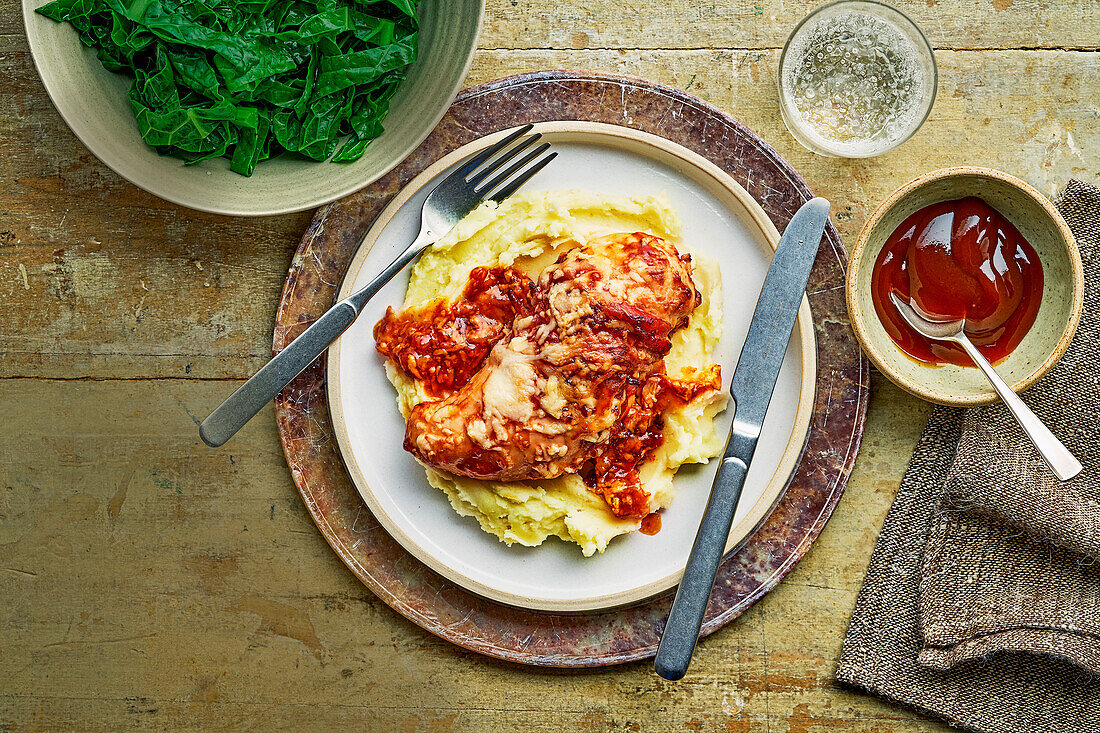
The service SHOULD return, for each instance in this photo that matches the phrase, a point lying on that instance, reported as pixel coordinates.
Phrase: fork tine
(521, 179)
(483, 190)
(492, 166)
(471, 164)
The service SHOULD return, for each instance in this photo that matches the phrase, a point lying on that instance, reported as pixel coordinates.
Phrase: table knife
(752, 386)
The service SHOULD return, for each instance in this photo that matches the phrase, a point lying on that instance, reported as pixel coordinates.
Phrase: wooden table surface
(148, 581)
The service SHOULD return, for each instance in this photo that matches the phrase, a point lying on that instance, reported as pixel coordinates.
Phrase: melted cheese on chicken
(598, 328)
(507, 444)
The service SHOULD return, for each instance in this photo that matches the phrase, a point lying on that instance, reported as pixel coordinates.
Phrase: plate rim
(69, 114)
(739, 533)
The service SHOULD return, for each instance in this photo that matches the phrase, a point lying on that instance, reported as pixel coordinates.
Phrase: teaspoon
(1060, 460)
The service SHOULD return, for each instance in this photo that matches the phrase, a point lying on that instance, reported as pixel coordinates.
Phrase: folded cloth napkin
(982, 600)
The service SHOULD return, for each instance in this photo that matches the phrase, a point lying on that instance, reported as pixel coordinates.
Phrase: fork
(455, 196)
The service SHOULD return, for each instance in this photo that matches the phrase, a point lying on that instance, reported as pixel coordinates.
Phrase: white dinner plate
(721, 221)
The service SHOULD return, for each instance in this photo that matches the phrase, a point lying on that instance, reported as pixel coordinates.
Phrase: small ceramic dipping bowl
(1059, 311)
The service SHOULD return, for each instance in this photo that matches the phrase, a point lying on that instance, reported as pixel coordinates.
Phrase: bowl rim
(857, 317)
(63, 109)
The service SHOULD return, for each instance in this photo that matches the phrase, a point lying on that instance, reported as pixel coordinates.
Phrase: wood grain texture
(754, 24)
(146, 581)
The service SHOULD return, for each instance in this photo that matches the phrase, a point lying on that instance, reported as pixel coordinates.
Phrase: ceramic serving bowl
(1063, 286)
(94, 103)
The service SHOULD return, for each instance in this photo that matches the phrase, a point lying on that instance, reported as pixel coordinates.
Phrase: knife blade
(752, 386)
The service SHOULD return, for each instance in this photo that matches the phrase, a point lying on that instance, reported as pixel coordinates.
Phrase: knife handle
(686, 619)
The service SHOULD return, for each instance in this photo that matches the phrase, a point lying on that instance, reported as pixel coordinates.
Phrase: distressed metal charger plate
(557, 638)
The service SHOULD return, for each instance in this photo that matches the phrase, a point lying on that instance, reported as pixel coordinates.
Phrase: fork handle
(1057, 456)
(262, 387)
(251, 397)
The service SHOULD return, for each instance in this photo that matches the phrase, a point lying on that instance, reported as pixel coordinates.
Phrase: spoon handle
(1057, 456)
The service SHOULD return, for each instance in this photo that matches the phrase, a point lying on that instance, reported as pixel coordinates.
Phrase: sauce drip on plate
(956, 260)
(651, 524)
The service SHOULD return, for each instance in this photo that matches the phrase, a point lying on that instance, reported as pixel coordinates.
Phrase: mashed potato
(527, 232)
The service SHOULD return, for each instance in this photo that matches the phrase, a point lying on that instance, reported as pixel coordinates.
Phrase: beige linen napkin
(982, 600)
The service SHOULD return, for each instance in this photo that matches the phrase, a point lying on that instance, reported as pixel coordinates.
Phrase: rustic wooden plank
(101, 276)
(765, 24)
(755, 24)
(149, 581)
(99, 279)
(93, 715)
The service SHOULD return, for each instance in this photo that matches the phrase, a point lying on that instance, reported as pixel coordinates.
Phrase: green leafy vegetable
(249, 79)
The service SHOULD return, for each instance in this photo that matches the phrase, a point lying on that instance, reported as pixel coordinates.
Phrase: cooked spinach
(250, 79)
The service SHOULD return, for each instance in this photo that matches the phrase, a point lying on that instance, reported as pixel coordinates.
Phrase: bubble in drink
(854, 82)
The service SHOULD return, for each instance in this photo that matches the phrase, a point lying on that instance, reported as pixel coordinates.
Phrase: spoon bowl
(925, 326)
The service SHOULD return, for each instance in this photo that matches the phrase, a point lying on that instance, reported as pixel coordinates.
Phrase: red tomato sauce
(959, 260)
(614, 470)
(651, 524)
(443, 344)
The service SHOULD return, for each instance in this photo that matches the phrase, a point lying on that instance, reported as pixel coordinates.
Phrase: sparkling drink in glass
(856, 79)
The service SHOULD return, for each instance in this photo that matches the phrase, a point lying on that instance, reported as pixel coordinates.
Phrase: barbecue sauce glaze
(959, 259)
